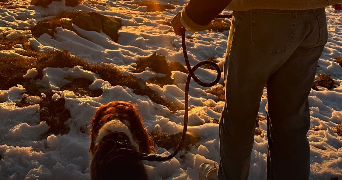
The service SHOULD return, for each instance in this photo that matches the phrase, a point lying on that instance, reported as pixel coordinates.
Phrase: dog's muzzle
(120, 145)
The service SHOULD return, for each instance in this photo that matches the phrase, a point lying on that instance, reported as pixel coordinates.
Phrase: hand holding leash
(177, 25)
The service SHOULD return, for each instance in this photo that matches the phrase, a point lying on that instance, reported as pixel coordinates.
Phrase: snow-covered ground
(24, 155)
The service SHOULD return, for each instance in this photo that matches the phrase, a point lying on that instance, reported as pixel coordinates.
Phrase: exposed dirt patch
(89, 21)
(155, 6)
(169, 141)
(323, 80)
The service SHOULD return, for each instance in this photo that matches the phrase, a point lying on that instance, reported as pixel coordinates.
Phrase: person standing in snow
(275, 43)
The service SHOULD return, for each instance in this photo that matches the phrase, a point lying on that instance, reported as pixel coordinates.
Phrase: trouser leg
(244, 86)
(249, 65)
(288, 89)
(288, 109)
(264, 43)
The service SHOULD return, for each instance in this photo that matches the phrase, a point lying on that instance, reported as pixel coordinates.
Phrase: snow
(24, 154)
(31, 73)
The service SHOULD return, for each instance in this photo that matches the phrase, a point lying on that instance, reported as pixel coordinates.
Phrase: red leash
(155, 157)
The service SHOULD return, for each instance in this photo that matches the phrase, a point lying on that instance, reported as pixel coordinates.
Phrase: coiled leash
(154, 157)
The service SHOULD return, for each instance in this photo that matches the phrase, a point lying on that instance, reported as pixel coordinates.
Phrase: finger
(177, 27)
(176, 19)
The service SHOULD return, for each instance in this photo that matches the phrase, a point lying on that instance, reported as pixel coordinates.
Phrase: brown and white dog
(117, 133)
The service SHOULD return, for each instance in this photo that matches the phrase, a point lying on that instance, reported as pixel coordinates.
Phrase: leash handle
(154, 157)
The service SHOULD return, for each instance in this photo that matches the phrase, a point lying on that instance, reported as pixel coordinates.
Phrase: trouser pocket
(273, 31)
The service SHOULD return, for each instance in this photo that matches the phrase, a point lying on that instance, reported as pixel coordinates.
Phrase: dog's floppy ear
(96, 125)
(146, 144)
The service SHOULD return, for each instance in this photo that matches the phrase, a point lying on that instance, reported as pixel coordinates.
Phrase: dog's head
(115, 154)
(128, 114)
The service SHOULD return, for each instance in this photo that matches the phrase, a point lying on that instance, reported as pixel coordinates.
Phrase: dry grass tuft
(48, 26)
(219, 25)
(159, 64)
(218, 91)
(55, 114)
(97, 2)
(259, 132)
(208, 66)
(32, 88)
(155, 6)
(89, 21)
(12, 70)
(161, 81)
(81, 88)
(155, 97)
(215, 121)
(176, 66)
(43, 3)
(22, 103)
(165, 23)
(339, 60)
(73, 3)
(323, 80)
(258, 119)
(156, 62)
(7, 44)
(169, 141)
(339, 129)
